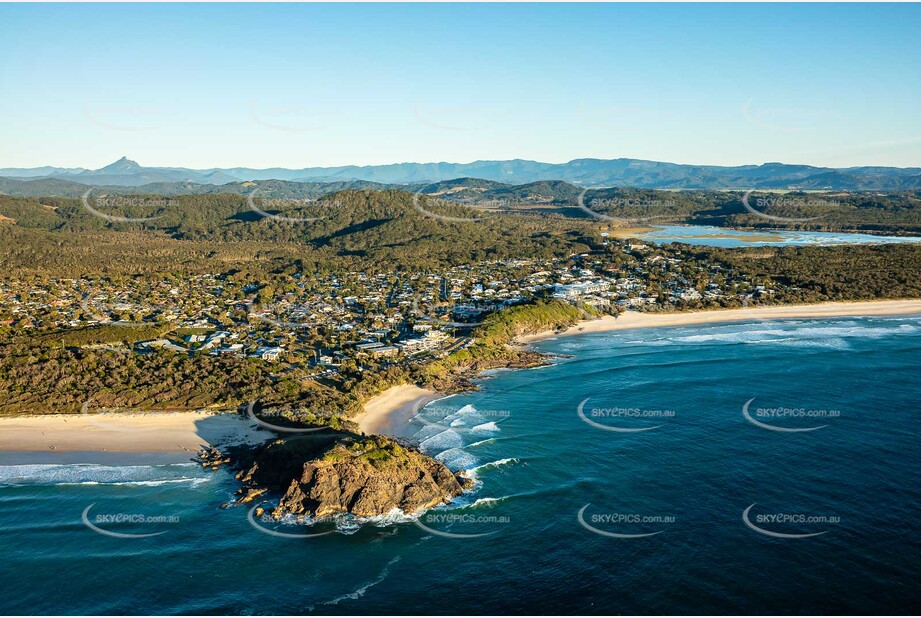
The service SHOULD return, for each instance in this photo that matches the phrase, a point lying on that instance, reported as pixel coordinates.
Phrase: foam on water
(191, 481)
(428, 431)
(94, 474)
(466, 416)
(835, 335)
(441, 441)
(457, 459)
(486, 502)
(493, 464)
(348, 524)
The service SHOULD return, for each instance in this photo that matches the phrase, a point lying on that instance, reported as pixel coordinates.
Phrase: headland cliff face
(350, 474)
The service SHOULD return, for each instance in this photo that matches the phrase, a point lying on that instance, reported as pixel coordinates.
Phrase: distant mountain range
(581, 172)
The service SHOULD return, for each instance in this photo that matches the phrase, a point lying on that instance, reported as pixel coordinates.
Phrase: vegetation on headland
(329, 473)
(492, 348)
(493, 343)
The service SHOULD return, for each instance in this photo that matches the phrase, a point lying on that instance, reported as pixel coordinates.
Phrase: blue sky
(223, 85)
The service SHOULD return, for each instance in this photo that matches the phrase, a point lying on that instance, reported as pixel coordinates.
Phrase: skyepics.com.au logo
(90, 310)
(288, 118)
(449, 316)
(272, 208)
(271, 316)
(623, 204)
(787, 524)
(127, 118)
(424, 204)
(622, 419)
(462, 525)
(757, 205)
(623, 524)
(267, 524)
(130, 208)
(787, 118)
(462, 420)
(117, 524)
(779, 418)
(281, 416)
(95, 416)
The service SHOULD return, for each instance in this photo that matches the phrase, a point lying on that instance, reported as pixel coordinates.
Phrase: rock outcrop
(358, 475)
(211, 457)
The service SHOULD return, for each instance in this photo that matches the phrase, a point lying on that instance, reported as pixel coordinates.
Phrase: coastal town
(319, 322)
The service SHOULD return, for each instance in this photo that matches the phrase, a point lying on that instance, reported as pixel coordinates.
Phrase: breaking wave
(457, 459)
(94, 474)
(494, 464)
(442, 441)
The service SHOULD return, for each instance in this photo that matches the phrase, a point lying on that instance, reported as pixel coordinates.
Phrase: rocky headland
(339, 471)
(332, 473)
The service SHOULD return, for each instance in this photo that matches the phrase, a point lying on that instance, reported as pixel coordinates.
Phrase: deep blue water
(712, 236)
(538, 465)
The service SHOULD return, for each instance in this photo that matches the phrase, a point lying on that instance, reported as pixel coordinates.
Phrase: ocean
(751, 468)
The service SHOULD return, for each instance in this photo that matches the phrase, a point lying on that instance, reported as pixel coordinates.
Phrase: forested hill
(863, 211)
(392, 227)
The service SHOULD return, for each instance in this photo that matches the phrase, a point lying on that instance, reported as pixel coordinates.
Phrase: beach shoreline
(179, 435)
(389, 413)
(637, 319)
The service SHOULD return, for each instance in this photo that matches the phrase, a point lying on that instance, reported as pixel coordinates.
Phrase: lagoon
(712, 236)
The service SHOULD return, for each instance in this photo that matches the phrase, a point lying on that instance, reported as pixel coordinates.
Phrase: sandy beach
(181, 433)
(636, 319)
(389, 412)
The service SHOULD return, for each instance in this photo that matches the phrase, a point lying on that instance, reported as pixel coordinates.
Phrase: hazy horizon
(296, 166)
(260, 86)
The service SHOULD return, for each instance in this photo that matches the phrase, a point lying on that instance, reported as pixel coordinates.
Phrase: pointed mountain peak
(123, 165)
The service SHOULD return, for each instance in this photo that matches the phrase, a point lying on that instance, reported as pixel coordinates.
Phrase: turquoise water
(852, 479)
(711, 236)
